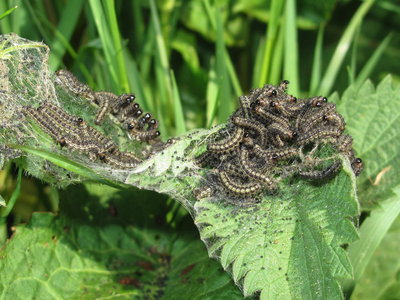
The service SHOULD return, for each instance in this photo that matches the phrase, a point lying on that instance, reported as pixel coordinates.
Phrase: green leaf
(289, 245)
(380, 279)
(372, 118)
(372, 232)
(266, 245)
(54, 258)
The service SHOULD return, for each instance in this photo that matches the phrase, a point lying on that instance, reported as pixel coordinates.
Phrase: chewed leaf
(289, 245)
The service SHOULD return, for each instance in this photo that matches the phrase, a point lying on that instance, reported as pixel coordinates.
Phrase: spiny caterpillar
(76, 134)
(140, 126)
(274, 135)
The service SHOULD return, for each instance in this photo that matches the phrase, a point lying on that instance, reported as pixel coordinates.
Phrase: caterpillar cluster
(76, 134)
(273, 135)
(141, 126)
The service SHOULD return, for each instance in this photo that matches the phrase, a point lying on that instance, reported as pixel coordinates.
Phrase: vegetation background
(188, 61)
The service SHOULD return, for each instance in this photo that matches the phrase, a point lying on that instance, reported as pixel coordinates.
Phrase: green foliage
(56, 257)
(271, 246)
(187, 62)
(371, 115)
(380, 279)
(288, 232)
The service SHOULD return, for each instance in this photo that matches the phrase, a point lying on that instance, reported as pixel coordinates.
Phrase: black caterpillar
(76, 134)
(272, 134)
(140, 125)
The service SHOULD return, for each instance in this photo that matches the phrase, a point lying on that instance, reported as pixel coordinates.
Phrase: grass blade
(7, 12)
(10, 204)
(164, 85)
(291, 59)
(36, 14)
(117, 45)
(342, 48)
(106, 41)
(223, 71)
(258, 63)
(373, 60)
(352, 68)
(317, 61)
(220, 37)
(212, 94)
(7, 210)
(225, 102)
(232, 74)
(372, 232)
(136, 84)
(273, 24)
(65, 28)
(178, 111)
(276, 64)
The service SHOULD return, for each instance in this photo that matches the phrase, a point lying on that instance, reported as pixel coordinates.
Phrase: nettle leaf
(54, 258)
(373, 119)
(288, 245)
